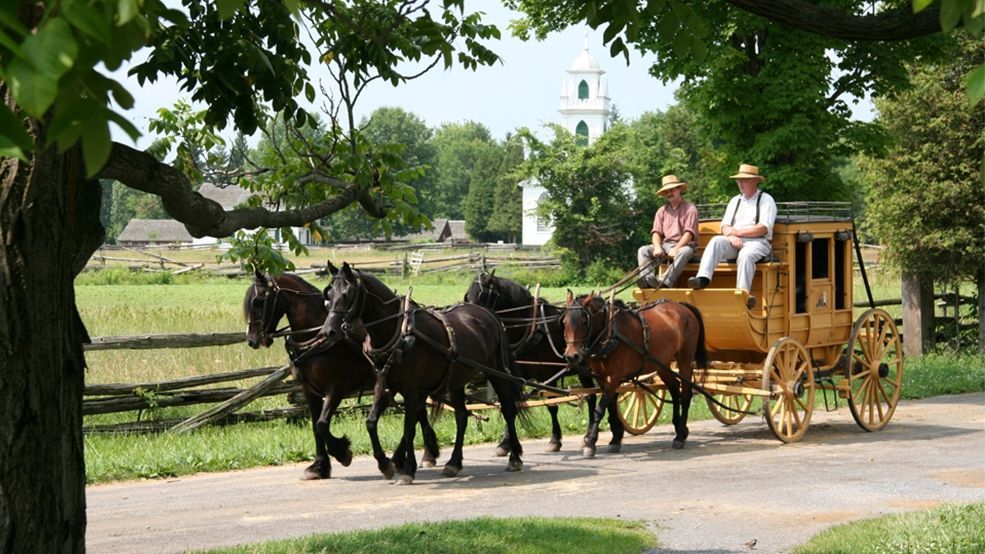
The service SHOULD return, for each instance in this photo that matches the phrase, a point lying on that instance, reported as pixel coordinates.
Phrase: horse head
(261, 310)
(484, 290)
(583, 321)
(345, 299)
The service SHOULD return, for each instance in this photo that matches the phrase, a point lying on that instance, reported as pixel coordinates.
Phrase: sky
(522, 91)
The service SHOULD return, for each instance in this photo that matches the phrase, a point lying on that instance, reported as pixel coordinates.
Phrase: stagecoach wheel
(789, 378)
(639, 409)
(736, 407)
(875, 369)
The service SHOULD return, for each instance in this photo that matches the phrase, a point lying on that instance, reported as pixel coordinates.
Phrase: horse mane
(600, 302)
(296, 282)
(512, 293)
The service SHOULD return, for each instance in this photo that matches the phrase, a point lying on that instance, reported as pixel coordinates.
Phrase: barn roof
(154, 230)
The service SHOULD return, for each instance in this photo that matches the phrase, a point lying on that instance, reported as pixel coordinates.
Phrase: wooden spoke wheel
(789, 378)
(875, 369)
(736, 406)
(639, 408)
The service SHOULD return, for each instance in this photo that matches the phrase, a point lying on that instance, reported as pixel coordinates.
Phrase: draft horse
(421, 352)
(326, 374)
(620, 344)
(536, 338)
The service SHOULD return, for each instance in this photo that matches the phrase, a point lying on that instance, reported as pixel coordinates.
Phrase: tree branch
(828, 21)
(203, 217)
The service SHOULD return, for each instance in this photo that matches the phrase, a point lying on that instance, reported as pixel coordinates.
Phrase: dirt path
(728, 487)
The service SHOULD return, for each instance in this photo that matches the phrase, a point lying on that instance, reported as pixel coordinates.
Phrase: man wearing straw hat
(747, 228)
(674, 235)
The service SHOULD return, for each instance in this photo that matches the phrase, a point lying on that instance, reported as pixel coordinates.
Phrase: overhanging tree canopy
(242, 59)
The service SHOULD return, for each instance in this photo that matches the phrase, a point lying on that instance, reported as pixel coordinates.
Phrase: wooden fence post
(918, 314)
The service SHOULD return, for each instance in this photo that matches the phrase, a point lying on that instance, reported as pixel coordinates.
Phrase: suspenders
(759, 196)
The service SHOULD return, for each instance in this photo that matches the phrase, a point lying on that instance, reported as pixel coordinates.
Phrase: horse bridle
(264, 311)
(491, 293)
(592, 344)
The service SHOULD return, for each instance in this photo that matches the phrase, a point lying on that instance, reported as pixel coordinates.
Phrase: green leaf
(88, 19)
(228, 7)
(52, 50)
(975, 85)
(919, 5)
(950, 14)
(31, 90)
(126, 10)
(10, 150)
(12, 130)
(95, 146)
(48, 54)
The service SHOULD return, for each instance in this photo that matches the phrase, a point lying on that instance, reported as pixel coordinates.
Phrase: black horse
(421, 352)
(536, 337)
(326, 375)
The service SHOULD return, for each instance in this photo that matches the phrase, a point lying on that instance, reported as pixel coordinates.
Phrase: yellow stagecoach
(800, 339)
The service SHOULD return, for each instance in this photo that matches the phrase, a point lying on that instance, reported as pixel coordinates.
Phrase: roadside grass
(527, 535)
(956, 529)
(214, 305)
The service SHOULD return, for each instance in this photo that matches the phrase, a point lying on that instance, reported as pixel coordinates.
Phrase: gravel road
(730, 486)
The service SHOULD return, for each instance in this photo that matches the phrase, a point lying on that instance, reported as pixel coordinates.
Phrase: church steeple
(584, 97)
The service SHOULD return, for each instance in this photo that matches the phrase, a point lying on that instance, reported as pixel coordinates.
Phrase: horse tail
(701, 353)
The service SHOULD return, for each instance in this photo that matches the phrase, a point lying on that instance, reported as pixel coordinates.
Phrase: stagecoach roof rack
(791, 212)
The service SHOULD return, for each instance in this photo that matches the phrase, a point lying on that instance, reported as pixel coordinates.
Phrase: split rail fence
(420, 260)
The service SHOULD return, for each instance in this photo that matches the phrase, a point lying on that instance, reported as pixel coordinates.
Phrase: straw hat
(747, 171)
(671, 182)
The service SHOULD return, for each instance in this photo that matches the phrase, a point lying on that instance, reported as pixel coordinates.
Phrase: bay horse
(536, 337)
(326, 375)
(420, 352)
(619, 344)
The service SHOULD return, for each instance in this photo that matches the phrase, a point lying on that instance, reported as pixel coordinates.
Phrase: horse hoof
(553, 447)
(404, 479)
(389, 471)
(615, 448)
(502, 451)
(313, 475)
(677, 445)
(427, 463)
(346, 458)
(450, 471)
(514, 466)
(588, 451)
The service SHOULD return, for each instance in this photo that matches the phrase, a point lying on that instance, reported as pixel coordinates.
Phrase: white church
(585, 113)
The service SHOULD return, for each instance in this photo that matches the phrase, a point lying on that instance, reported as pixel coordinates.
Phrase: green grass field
(193, 304)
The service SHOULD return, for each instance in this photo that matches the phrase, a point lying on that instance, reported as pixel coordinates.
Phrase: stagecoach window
(800, 276)
(819, 258)
(843, 257)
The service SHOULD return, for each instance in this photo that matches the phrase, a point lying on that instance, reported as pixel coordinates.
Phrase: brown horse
(326, 375)
(421, 352)
(536, 337)
(619, 344)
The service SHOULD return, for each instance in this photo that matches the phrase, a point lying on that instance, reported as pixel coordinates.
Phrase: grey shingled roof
(154, 230)
(457, 227)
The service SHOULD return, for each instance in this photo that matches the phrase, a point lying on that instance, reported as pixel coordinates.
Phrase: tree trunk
(49, 226)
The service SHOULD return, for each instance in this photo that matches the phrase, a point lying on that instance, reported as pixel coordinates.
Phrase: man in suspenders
(747, 228)
(674, 235)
